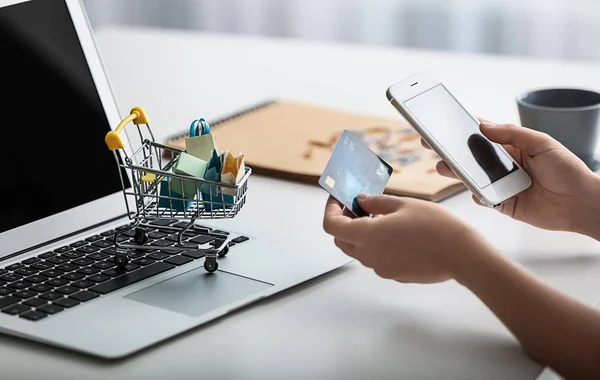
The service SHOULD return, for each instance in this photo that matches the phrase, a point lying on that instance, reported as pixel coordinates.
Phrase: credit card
(352, 169)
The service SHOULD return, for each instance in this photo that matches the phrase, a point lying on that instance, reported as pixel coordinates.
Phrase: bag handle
(195, 130)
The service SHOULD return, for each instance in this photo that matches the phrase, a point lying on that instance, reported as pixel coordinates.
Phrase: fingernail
(362, 196)
(489, 123)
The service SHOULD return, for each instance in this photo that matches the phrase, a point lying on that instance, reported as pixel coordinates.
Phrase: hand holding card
(352, 169)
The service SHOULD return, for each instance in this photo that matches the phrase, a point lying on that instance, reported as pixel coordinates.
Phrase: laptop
(63, 202)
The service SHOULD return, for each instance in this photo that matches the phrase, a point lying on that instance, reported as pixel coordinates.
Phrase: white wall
(541, 28)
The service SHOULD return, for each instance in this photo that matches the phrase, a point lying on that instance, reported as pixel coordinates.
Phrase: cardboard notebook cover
(294, 141)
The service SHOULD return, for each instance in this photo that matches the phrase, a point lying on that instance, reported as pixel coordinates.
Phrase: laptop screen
(53, 153)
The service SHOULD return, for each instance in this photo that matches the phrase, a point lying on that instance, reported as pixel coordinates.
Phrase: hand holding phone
(485, 167)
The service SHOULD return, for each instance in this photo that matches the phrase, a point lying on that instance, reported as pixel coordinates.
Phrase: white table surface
(348, 324)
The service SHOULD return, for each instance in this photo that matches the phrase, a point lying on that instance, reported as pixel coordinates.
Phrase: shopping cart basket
(156, 194)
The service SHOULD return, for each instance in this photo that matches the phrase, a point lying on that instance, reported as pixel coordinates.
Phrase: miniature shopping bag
(201, 143)
(213, 173)
(233, 171)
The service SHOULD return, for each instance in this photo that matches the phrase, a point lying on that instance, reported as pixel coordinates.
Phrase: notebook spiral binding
(227, 118)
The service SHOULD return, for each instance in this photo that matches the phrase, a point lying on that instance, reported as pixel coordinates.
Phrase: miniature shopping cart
(159, 197)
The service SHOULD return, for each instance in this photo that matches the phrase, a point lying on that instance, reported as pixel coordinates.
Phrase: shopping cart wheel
(224, 251)
(141, 235)
(211, 265)
(121, 260)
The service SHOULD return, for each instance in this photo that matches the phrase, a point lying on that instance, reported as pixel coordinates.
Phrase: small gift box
(191, 166)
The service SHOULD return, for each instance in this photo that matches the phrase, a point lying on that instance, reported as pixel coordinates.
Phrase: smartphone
(485, 167)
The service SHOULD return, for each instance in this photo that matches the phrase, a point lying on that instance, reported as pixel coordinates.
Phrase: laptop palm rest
(196, 292)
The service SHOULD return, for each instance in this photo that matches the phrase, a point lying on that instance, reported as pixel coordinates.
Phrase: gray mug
(570, 116)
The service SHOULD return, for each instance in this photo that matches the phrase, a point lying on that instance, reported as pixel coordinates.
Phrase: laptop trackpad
(196, 292)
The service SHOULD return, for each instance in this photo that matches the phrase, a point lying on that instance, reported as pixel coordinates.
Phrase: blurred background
(555, 29)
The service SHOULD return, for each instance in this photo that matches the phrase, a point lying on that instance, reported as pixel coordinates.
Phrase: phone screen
(458, 134)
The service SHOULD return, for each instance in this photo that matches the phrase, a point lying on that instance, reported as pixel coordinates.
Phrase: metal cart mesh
(156, 193)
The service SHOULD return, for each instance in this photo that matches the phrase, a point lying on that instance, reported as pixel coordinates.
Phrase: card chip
(330, 182)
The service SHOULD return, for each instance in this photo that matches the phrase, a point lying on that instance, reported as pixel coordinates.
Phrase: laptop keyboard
(51, 282)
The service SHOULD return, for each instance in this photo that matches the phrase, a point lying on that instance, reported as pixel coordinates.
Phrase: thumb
(379, 204)
(527, 140)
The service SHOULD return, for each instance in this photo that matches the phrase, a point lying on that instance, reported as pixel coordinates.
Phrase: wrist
(586, 218)
(474, 255)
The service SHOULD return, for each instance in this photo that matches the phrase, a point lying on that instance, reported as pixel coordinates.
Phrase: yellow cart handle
(137, 116)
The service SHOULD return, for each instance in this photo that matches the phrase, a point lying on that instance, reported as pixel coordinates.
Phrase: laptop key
(47, 255)
(64, 249)
(36, 279)
(99, 278)
(73, 276)
(109, 233)
(83, 296)
(83, 261)
(162, 243)
(25, 294)
(98, 256)
(78, 244)
(110, 251)
(65, 302)
(3, 271)
(88, 249)
(33, 315)
(88, 270)
(68, 267)
(178, 260)
(67, 290)
(20, 284)
(50, 309)
(31, 260)
(104, 264)
(11, 277)
(162, 222)
(41, 288)
(15, 266)
(2, 282)
(4, 291)
(158, 256)
(131, 267)
(26, 271)
(52, 273)
(73, 255)
(58, 260)
(202, 239)
(57, 282)
(195, 254)
(82, 284)
(103, 244)
(42, 265)
(240, 239)
(220, 232)
(136, 253)
(113, 272)
(143, 261)
(35, 302)
(51, 296)
(7, 301)
(16, 309)
(132, 277)
(156, 235)
(94, 238)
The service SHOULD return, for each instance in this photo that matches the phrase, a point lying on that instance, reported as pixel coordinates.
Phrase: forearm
(555, 330)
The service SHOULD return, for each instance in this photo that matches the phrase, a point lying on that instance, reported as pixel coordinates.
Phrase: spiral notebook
(293, 141)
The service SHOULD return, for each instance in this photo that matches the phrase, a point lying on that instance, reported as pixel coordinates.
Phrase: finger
(337, 224)
(444, 170)
(514, 153)
(425, 145)
(348, 248)
(485, 121)
(527, 140)
(476, 200)
(379, 204)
